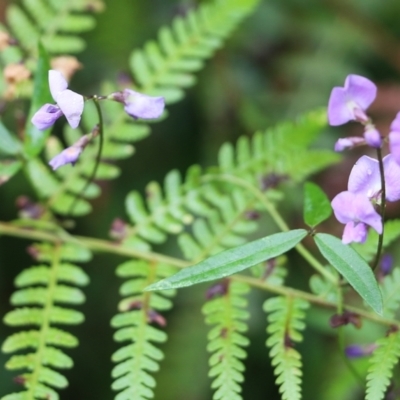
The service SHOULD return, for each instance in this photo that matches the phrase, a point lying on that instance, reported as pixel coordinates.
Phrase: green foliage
(317, 207)
(382, 362)
(166, 67)
(138, 359)
(233, 260)
(285, 320)
(40, 289)
(353, 268)
(226, 340)
(390, 289)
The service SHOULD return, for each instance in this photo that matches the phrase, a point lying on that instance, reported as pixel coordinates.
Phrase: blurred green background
(282, 60)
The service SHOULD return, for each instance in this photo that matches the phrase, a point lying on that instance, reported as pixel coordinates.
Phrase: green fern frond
(226, 340)
(56, 24)
(166, 67)
(138, 310)
(367, 250)
(40, 289)
(285, 319)
(382, 362)
(324, 288)
(390, 289)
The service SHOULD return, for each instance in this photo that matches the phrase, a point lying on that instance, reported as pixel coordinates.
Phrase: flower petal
(68, 156)
(57, 83)
(354, 232)
(348, 143)
(139, 105)
(394, 145)
(338, 112)
(365, 177)
(46, 116)
(392, 178)
(373, 138)
(71, 104)
(361, 90)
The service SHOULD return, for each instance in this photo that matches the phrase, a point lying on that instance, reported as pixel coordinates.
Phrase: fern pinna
(139, 312)
(40, 289)
(285, 321)
(225, 312)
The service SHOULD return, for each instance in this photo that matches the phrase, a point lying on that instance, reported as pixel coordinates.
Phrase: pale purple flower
(365, 178)
(372, 137)
(68, 156)
(348, 143)
(351, 101)
(68, 102)
(356, 211)
(394, 138)
(139, 105)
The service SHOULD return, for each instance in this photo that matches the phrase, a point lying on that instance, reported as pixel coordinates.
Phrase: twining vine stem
(57, 235)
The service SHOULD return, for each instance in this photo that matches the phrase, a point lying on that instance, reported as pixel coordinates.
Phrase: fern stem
(46, 322)
(273, 212)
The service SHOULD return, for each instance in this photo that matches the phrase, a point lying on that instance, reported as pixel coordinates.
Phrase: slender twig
(382, 208)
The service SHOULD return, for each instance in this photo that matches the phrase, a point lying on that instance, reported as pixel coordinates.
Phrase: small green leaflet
(317, 207)
(233, 260)
(8, 168)
(9, 144)
(34, 138)
(353, 268)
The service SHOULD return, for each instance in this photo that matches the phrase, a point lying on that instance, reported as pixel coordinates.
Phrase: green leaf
(233, 260)
(35, 139)
(354, 269)
(9, 144)
(8, 168)
(317, 207)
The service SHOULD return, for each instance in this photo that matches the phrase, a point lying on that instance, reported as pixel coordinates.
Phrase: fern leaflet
(390, 289)
(382, 362)
(226, 340)
(285, 319)
(138, 310)
(41, 288)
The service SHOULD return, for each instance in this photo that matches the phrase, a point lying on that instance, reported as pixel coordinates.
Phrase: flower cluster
(355, 207)
(71, 105)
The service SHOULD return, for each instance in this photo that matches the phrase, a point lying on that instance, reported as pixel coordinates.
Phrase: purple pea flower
(394, 138)
(139, 105)
(68, 102)
(372, 136)
(356, 211)
(351, 101)
(348, 143)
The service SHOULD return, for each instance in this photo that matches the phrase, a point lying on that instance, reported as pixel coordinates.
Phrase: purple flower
(68, 156)
(394, 138)
(139, 105)
(68, 102)
(365, 178)
(356, 211)
(348, 143)
(351, 101)
(386, 264)
(372, 136)
(357, 351)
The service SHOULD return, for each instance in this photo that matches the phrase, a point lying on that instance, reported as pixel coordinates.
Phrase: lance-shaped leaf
(317, 207)
(9, 144)
(8, 168)
(233, 260)
(353, 268)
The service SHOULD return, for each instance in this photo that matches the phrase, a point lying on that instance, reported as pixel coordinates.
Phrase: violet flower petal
(365, 177)
(392, 178)
(46, 116)
(394, 145)
(139, 105)
(57, 83)
(71, 104)
(356, 207)
(373, 138)
(348, 143)
(68, 156)
(354, 232)
(351, 101)
(354, 351)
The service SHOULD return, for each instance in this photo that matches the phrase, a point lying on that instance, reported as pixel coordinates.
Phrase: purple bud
(373, 137)
(351, 101)
(386, 264)
(348, 143)
(139, 105)
(357, 351)
(46, 116)
(68, 156)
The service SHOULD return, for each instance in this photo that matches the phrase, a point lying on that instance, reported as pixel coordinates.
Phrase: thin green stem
(280, 222)
(115, 248)
(383, 207)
